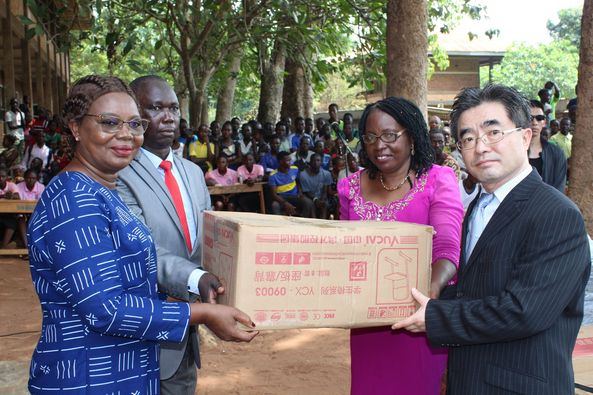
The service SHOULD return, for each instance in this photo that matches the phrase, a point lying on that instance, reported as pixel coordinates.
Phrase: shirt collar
(506, 188)
(156, 160)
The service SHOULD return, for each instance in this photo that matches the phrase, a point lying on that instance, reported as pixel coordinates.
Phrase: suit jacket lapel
(464, 230)
(509, 209)
(148, 172)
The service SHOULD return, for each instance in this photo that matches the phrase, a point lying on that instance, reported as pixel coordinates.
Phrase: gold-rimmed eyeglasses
(469, 140)
(113, 124)
(388, 136)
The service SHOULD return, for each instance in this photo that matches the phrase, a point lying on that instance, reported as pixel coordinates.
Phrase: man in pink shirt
(30, 189)
(8, 221)
(7, 188)
(222, 176)
(250, 172)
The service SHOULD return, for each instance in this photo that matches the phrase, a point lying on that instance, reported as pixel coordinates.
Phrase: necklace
(395, 188)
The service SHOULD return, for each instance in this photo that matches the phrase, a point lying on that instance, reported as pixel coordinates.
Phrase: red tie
(173, 188)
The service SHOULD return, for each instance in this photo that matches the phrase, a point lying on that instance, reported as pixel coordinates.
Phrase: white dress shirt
(499, 195)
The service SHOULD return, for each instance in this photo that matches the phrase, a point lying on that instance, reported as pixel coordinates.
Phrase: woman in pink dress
(401, 183)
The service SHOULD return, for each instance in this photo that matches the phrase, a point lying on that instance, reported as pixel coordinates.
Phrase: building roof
(458, 43)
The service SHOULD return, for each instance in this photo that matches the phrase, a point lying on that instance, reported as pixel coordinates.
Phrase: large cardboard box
(288, 272)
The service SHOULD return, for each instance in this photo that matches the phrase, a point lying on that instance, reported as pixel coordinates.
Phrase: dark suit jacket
(516, 311)
(143, 189)
(553, 165)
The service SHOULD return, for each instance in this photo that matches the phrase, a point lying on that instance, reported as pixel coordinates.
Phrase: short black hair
(411, 118)
(537, 104)
(516, 105)
(138, 82)
(281, 155)
(543, 91)
(30, 171)
(314, 156)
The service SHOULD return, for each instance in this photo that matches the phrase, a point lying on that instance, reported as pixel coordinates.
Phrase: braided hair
(86, 90)
(411, 118)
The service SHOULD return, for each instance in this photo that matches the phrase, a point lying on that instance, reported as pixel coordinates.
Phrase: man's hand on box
(210, 287)
(417, 321)
(222, 320)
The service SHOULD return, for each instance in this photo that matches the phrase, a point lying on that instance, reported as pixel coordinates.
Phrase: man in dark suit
(174, 219)
(512, 320)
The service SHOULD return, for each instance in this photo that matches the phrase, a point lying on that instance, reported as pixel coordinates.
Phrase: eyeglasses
(469, 141)
(538, 118)
(389, 136)
(113, 124)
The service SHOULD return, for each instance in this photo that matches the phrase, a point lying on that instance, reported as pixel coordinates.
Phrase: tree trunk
(308, 96)
(196, 106)
(226, 96)
(205, 109)
(581, 162)
(192, 91)
(407, 48)
(293, 93)
(270, 97)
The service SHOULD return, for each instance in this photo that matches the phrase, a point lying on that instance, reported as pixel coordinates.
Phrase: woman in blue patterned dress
(94, 264)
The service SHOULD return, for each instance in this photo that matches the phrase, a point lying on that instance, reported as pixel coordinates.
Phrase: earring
(76, 138)
(412, 150)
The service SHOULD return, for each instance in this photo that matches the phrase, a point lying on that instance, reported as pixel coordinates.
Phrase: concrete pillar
(27, 87)
(8, 55)
(39, 76)
(49, 94)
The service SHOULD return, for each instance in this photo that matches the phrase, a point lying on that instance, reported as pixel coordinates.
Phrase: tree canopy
(528, 67)
(193, 43)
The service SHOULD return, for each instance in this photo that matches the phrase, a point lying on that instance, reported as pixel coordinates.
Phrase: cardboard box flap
(265, 220)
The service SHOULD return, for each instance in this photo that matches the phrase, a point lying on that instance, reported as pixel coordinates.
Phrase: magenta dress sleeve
(344, 198)
(446, 216)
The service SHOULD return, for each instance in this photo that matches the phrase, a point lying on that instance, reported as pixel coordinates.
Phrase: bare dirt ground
(313, 361)
(310, 362)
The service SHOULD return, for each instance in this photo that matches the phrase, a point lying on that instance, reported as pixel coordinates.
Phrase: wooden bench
(8, 206)
(258, 187)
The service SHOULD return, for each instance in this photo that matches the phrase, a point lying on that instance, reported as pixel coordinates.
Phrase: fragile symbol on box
(264, 258)
(358, 271)
(282, 258)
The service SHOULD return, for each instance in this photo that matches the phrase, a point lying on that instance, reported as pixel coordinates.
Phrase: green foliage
(568, 27)
(329, 37)
(370, 54)
(56, 19)
(527, 68)
(122, 46)
(338, 89)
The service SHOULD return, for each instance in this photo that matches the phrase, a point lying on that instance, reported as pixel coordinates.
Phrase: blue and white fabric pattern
(93, 265)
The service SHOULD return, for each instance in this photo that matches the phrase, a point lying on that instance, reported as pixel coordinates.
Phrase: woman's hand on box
(222, 320)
